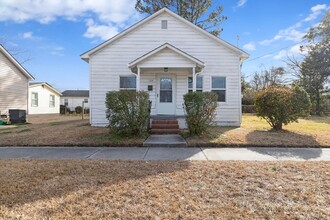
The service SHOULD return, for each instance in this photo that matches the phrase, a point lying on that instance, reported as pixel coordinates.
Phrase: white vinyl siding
(13, 87)
(111, 62)
(48, 101)
(73, 102)
(34, 99)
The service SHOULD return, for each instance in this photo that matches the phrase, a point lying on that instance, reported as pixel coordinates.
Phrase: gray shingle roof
(75, 93)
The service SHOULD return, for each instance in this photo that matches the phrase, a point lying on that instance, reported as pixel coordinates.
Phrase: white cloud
(316, 11)
(48, 10)
(293, 33)
(27, 35)
(250, 46)
(241, 3)
(293, 51)
(54, 50)
(102, 31)
(109, 13)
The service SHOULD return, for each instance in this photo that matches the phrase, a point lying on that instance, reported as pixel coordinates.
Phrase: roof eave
(16, 63)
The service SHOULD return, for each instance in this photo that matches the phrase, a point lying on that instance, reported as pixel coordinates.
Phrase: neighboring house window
(86, 100)
(127, 82)
(34, 99)
(52, 101)
(219, 87)
(199, 86)
(66, 102)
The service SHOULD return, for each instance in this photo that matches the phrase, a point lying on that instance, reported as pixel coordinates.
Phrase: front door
(166, 95)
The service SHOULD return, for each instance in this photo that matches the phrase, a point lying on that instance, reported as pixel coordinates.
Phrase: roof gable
(44, 84)
(16, 63)
(132, 65)
(85, 56)
(75, 93)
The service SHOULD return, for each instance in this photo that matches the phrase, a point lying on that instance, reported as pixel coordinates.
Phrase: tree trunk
(317, 107)
(278, 127)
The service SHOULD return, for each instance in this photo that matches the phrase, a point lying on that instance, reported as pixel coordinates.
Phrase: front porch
(166, 73)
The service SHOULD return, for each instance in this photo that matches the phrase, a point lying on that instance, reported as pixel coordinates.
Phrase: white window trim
(125, 88)
(211, 88)
(32, 105)
(51, 102)
(196, 84)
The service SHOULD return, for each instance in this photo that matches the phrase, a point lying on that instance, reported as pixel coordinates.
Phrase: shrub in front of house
(200, 111)
(128, 112)
(280, 105)
(78, 109)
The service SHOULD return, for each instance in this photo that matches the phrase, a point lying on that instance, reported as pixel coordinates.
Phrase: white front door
(166, 95)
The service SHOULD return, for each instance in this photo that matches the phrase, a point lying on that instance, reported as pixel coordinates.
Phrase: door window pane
(165, 93)
(166, 83)
(165, 96)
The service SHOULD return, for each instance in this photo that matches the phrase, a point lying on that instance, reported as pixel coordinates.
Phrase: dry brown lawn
(61, 130)
(311, 132)
(97, 189)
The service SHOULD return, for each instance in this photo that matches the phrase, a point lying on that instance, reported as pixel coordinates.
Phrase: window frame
(219, 88)
(127, 76)
(66, 102)
(197, 89)
(34, 102)
(51, 102)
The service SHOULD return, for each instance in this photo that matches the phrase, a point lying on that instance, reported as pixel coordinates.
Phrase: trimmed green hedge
(200, 111)
(128, 112)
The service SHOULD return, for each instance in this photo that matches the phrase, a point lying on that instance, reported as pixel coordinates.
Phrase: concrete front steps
(165, 126)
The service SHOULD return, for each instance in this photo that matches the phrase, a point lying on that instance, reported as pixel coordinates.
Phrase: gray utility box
(17, 116)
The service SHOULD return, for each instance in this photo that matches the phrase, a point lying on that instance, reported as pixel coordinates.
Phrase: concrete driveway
(161, 153)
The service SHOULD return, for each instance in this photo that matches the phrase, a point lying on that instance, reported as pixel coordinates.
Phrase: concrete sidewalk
(161, 153)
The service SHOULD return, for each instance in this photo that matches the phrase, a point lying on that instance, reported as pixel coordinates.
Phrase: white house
(167, 56)
(43, 99)
(74, 98)
(14, 83)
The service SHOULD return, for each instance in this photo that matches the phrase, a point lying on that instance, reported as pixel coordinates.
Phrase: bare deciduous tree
(195, 11)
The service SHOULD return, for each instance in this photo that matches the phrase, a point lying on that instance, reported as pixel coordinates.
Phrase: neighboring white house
(167, 56)
(14, 83)
(74, 98)
(43, 99)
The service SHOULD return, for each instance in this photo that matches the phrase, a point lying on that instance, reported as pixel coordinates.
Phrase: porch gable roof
(133, 65)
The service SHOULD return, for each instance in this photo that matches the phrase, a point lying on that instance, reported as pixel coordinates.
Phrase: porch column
(138, 79)
(194, 79)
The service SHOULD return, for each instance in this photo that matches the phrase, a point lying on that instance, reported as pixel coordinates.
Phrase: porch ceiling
(177, 55)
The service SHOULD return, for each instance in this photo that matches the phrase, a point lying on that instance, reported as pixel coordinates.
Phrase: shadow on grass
(282, 144)
(212, 138)
(27, 181)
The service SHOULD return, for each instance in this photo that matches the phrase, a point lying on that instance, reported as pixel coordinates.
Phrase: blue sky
(54, 33)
